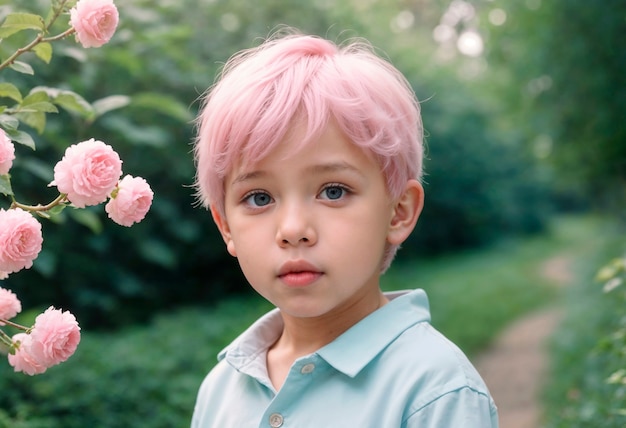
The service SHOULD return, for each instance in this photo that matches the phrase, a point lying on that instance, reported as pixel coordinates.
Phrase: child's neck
(303, 336)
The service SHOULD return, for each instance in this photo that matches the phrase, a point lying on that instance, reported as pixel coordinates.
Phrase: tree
(569, 56)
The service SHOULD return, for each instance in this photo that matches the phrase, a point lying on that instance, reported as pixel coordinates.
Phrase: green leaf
(37, 102)
(149, 135)
(46, 265)
(43, 214)
(36, 120)
(38, 168)
(87, 218)
(22, 137)
(10, 91)
(16, 22)
(612, 284)
(43, 52)
(36, 95)
(110, 103)
(158, 252)
(8, 122)
(44, 107)
(68, 100)
(5, 185)
(73, 102)
(57, 209)
(78, 54)
(161, 103)
(22, 67)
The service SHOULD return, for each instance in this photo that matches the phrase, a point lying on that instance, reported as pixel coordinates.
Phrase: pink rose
(20, 240)
(4, 275)
(88, 172)
(55, 337)
(95, 22)
(7, 153)
(22, 360)
(9, 304)
(131, 202)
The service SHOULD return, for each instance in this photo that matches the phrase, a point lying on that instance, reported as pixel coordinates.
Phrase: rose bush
(87, 175)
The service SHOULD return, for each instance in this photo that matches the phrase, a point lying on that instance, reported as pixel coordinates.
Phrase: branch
(20, 51)
(56, 14)
(60, 36)
(39, 208)
(12, 324)
(6, 339)
(39, 39)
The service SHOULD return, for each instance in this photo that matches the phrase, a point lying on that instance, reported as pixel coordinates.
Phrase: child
(309, 158)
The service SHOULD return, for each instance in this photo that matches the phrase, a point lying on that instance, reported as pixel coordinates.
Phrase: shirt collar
(371, 335)
(365, 340)
(248, 352)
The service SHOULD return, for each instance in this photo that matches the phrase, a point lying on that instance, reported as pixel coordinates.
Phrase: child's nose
(295, 226)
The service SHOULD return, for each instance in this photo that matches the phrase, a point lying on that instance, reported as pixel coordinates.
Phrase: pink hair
(261, 92)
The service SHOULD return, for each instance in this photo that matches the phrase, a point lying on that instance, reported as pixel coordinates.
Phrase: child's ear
(406, 211)
(222, 225)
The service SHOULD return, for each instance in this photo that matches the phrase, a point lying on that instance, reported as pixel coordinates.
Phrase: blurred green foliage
(587, 386)
(568, 59)
(482, 180)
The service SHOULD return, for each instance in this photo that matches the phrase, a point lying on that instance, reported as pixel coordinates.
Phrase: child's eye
(257, 199)
(333, 192)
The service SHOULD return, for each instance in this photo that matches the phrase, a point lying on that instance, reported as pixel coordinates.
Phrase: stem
(6, 339)
(12, 324)
(20, 51)
(39, 39)
(39, 208)
(57, 13)
(60, 36)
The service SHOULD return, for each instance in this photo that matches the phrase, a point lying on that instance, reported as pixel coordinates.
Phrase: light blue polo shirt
(390, 370)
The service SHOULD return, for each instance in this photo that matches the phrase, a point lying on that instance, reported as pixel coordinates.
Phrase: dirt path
(515, 367)
(517, 363)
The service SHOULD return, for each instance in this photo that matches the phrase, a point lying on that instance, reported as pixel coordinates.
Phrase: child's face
(310, 229)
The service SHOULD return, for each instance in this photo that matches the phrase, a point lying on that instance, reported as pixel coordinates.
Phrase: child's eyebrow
(313, 169)
(334, 167)
(248, 176)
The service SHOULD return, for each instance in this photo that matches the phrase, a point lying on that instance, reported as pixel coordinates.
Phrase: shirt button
(276, 420)
(307, 368)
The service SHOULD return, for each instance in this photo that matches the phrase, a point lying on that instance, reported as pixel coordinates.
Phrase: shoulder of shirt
(422, 352)
(423, 345)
